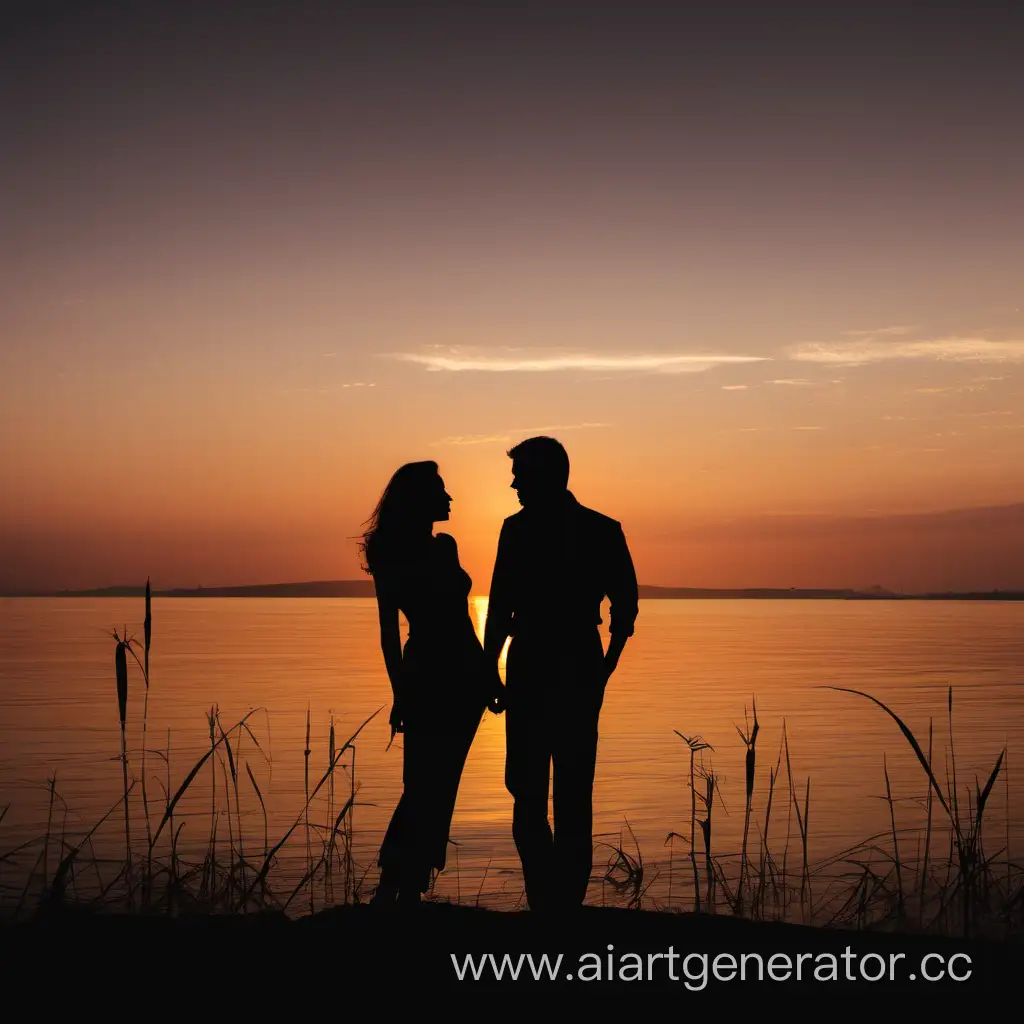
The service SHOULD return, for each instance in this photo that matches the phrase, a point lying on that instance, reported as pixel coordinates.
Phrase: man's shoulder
(597, 520)
(589, 518)
(514, 525)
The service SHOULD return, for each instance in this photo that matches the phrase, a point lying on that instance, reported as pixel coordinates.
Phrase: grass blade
(196, 768)
(911, 739)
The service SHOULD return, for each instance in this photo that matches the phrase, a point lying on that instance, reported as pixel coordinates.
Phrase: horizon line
(134, 589)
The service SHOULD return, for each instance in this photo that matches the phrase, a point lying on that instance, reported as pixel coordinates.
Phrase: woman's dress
(443, 696)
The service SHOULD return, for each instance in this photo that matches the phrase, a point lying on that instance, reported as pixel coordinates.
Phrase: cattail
(121, 668)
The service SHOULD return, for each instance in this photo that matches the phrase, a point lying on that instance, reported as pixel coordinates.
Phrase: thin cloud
(327, 390)
(876, 349)
(808, 428)
(883, 332)
(735, 387)
(460, 439)
(792, 381)
(1002, 426)
(463, 439)
(457, 360)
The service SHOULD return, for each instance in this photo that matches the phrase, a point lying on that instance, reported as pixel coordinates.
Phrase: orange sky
(244, 281)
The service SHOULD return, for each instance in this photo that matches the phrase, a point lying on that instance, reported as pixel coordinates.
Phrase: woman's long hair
(392, 528)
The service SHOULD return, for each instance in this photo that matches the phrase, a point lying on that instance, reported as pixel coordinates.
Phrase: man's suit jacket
(552, 572)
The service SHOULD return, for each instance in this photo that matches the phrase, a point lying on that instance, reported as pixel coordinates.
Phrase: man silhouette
(556, 562)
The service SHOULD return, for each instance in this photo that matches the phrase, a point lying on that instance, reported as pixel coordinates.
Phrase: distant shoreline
(365, 589)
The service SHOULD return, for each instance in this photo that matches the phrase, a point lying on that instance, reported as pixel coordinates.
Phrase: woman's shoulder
(446, 542)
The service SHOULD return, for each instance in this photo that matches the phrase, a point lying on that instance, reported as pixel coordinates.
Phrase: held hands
(484, 668)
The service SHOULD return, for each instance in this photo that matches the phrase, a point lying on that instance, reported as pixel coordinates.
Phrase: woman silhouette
(440, 682)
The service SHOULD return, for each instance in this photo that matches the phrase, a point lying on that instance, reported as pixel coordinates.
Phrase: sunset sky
(768, 289)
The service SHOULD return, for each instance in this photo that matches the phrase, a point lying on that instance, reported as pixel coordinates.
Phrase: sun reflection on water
(478, 609)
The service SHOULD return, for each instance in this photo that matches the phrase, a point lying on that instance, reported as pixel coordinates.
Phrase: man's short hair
(545, 455)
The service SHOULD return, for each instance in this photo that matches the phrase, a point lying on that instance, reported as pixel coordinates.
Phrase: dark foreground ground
(388, 958)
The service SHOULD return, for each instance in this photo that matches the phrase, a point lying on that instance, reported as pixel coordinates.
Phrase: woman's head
(414, 499)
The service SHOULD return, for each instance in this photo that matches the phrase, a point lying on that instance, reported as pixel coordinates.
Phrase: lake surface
(693, 666)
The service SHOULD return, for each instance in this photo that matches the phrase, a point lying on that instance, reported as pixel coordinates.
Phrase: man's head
(540, 470)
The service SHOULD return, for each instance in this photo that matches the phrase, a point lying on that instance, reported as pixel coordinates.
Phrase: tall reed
(749, 738)
(211, 719)
(121, 673)
(696, 745)
(350, 867)
(309, 850)
(895, 840)
(765, 865)
(928, 839)
(803, 825)
(332, 838)
(708, 799)
(147, 628)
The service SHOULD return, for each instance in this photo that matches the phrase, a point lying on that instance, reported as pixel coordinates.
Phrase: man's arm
(623, 594)
(499, 602)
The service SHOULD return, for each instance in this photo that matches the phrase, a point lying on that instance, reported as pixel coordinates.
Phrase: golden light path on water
(478, 610)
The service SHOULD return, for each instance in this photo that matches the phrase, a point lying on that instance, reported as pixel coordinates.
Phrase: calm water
(693, 666)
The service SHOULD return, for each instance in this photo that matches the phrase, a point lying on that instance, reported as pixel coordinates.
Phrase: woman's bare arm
(390, 639)
(391, 647)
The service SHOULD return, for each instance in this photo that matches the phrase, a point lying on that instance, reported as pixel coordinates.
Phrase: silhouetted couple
(556, 562)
